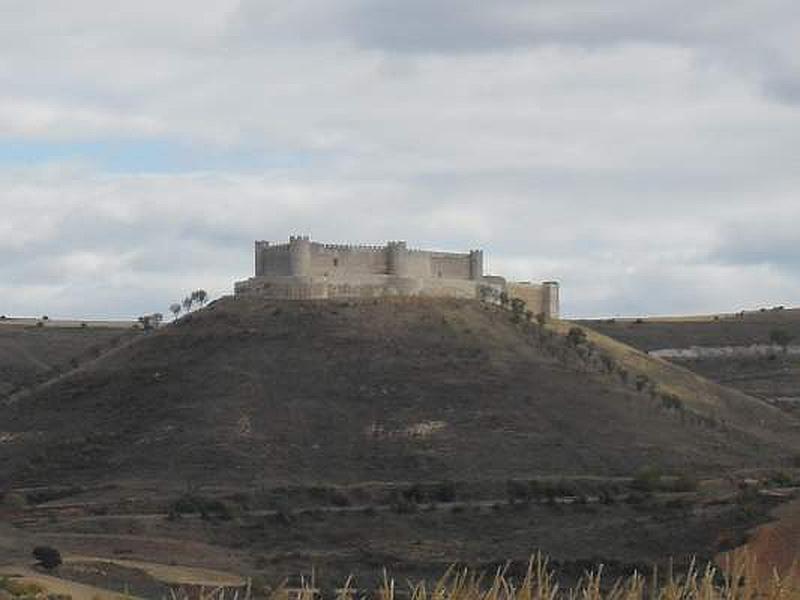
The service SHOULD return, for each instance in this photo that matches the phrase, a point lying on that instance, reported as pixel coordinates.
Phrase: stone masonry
(302, 269)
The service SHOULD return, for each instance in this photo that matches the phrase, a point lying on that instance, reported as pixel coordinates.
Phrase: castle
(303, 269)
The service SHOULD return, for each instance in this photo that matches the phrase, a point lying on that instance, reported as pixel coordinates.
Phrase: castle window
(335, 262)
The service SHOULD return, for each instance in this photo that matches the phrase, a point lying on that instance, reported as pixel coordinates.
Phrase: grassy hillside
(774, 377)
(249, 390)
(30, 354)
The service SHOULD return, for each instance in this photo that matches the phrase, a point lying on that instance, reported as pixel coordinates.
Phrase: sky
(644, 153)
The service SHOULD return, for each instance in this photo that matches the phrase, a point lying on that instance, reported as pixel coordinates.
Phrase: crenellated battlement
(303, 268)
(351, 247)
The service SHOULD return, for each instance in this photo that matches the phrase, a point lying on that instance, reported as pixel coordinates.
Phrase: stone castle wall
(302, 269)
(304, 258)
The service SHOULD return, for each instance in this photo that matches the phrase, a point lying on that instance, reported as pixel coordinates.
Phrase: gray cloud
(641, 152)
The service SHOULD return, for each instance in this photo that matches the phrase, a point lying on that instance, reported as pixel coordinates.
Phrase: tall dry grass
(736, 580)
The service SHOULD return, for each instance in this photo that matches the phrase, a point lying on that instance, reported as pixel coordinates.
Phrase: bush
(781, 338)
(576, 336)
(207, 508)
(642, 382)
(338, 498)
(402, 506)
(781, 479)
(685, 483)
(13, 501)
(671, 402)
(48, 557)
(444, 491)
(517, 309)
(517, 491)
(647, 480)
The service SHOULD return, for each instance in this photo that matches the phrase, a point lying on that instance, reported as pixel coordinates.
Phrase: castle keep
(303, 269)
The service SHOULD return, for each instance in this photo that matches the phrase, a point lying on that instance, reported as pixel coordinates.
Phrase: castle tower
(397, 259)
(550, 299)
(260, 248)
(475, 264)
(299, 256)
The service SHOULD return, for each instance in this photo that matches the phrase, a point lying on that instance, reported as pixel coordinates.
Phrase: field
(269, 440)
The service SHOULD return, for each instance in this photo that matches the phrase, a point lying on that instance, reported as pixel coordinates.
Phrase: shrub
(671, 402)
(647, 480)
(444, 491)
(402, 506)
(517, 491)
(207, 508)
(685, 483)
(609, 364)
(576, 336)
(641, 382)
(517, 309)
(413, 494)
(338, 498)
(13, 501)
(781, 338)
(781, 479)
(48, 557)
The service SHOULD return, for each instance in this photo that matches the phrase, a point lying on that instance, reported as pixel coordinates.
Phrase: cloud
(641, 152)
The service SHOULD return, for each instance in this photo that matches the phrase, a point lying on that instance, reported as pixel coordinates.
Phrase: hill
(773, 376)
(31, 354)
(250, 391)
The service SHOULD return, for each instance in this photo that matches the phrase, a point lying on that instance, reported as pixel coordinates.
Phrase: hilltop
(250, 391)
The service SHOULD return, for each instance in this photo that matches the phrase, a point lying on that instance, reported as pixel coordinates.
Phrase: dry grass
(737, 580)
(697, 394)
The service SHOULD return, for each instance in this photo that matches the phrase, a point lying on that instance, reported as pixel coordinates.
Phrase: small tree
(47, 557)
(175, 308)
(149, 322)
(576, 336)
(780, 338)
(200, 296)
(188, 302)
(504, 299)
(487, 293)
(517, 308)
